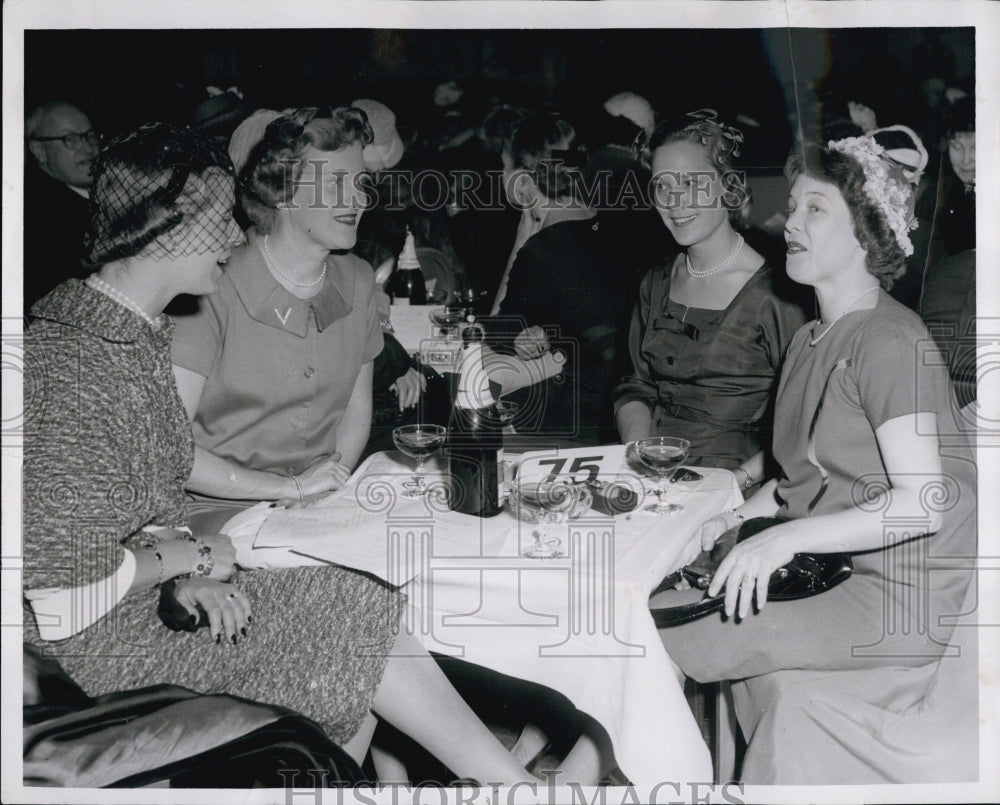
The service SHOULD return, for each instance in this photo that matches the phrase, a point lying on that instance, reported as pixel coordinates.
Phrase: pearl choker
(270, 261)
(700, 274)
(99, 285)
(843, 313)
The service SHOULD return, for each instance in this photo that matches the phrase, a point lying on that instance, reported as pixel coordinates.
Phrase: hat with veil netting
(160, 191)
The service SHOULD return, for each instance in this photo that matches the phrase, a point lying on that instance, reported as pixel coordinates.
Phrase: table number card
(581, 464)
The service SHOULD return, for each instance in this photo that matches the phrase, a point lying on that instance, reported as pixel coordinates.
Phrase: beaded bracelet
(205, 562)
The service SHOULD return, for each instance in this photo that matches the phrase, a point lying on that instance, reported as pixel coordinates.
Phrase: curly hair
(547, 147)
(150, 181)
(275, 164)
(885, 258)
(721, 144)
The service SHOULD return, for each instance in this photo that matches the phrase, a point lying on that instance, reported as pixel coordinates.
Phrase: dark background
(127, 77)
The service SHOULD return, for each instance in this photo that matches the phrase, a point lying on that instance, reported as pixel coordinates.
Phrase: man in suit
(63, 145)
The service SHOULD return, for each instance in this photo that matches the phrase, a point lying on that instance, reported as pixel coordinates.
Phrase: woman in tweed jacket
(108, 448)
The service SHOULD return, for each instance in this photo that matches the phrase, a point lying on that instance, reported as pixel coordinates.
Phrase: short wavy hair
(721, 144)
(275, 164)
(885, 258)
(547, 147)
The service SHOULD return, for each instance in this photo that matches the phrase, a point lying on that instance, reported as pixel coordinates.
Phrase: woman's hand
(409, 387)
(223, 555)
(326, 474)
(713, 528)
(531, 343)
(228, 610)
(749, 566)
(705, 538)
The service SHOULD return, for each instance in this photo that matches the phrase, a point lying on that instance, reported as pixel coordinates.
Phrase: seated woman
(397, 386)
(865, 429)
(105, 523)
(563, 280)
(275, 369)
(711, 326)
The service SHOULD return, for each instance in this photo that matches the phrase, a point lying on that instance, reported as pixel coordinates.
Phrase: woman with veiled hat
(106, 528)
(712, 323)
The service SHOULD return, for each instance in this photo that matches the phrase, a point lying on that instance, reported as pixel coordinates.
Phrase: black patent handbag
(806, 575)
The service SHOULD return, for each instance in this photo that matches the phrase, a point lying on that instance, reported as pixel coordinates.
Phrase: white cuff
(62, 613)
(154, 529)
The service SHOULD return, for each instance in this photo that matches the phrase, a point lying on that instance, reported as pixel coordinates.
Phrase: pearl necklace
(843, 313)
(720, 267)
(99, 285)
(270, 261)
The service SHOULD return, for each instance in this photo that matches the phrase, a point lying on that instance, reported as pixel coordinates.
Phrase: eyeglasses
(75, 141)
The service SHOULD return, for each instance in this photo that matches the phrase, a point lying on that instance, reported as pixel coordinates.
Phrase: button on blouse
(267, 356)
(714, 369)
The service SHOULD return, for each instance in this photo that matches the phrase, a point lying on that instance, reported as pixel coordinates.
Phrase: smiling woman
(275, 369)
(710, 329)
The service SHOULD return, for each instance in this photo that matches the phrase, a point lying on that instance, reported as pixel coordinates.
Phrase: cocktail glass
(419, 442)
(664, 455)
(543, 503)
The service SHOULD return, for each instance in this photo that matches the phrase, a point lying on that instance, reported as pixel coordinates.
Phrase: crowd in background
(465, 223)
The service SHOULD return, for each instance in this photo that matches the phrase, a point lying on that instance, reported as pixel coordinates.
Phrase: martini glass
(664, 455)
(419, 442)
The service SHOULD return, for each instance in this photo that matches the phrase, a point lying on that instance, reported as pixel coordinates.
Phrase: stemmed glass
(447, 318)
(545, 502)
(419, 442)
(664, 455)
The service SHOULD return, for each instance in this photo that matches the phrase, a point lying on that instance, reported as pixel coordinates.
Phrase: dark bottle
(475, 438)
(408, 286)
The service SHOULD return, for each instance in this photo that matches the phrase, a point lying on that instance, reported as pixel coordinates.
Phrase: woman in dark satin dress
(710, 329)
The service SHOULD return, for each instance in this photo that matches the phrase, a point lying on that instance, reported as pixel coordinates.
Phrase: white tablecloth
(580, 624)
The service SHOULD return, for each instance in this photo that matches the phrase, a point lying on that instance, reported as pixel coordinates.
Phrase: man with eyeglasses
(63, 143)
